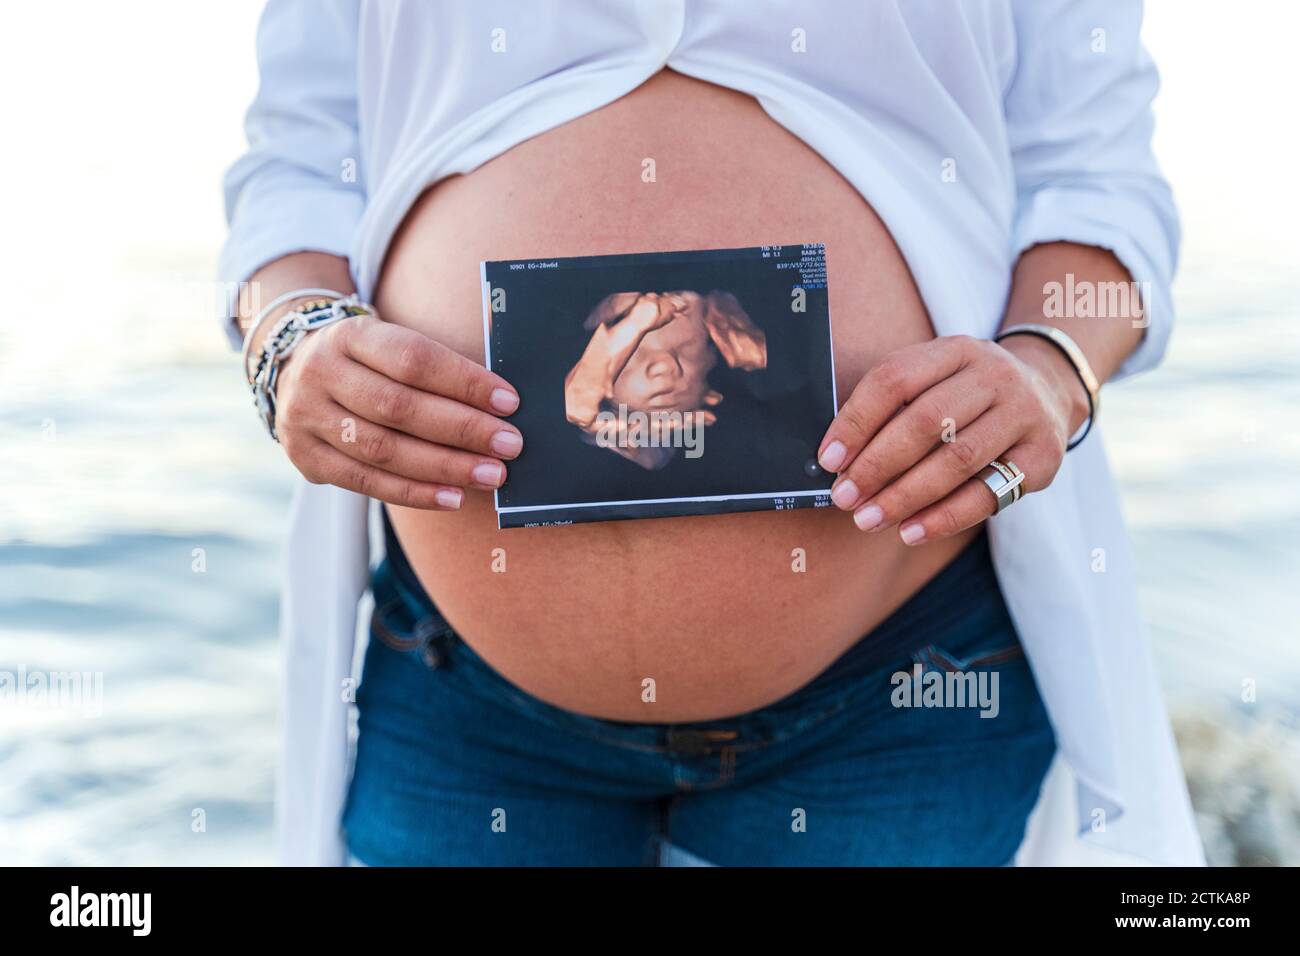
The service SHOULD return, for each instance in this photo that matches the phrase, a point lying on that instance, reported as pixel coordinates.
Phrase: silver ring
(1004, 479)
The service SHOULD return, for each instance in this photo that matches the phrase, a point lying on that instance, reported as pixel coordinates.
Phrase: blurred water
(127, 442)
(1207, 450)
(125, 456)
(139, 538)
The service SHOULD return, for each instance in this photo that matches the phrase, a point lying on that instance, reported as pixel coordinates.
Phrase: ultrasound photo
(663, 384)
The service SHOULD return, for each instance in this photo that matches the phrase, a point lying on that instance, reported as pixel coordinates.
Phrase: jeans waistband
(966, 587)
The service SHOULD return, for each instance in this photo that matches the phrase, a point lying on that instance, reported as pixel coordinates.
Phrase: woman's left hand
(927, 418)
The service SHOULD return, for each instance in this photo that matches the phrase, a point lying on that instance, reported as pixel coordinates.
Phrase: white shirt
(975, 128)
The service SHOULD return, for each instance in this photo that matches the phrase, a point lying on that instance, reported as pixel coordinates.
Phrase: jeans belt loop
(435, 642)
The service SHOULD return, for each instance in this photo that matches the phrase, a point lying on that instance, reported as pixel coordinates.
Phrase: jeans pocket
(396, 625)
(980, 645)
(936, 656)
(388, 627)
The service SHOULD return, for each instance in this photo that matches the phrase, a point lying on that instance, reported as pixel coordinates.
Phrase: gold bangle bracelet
(1070, 349)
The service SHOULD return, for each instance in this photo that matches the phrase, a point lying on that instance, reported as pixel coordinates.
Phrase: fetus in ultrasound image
(641, 388)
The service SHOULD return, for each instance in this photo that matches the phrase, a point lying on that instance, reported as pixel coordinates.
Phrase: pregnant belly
(724, 614)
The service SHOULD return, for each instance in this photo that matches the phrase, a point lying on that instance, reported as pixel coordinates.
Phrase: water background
(129, 452)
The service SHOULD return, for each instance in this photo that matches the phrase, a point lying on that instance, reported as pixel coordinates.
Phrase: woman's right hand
(387, 412)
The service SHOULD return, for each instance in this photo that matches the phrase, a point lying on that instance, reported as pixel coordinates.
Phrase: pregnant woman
(772, 688)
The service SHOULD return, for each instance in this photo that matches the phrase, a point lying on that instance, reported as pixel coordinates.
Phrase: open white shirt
(975, 128)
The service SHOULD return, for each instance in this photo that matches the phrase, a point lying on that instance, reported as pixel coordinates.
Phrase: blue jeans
(924, 744)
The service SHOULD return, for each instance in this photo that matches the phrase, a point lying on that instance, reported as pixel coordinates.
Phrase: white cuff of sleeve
(1088, 217)
(287, 220)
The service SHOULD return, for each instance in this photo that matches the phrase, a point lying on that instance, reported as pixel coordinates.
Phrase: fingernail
(503, 400)
(911, 533)
(448, 498)
(845, 494)
(833, 456)
(868, 517)
(485, 474)
(506, 444)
